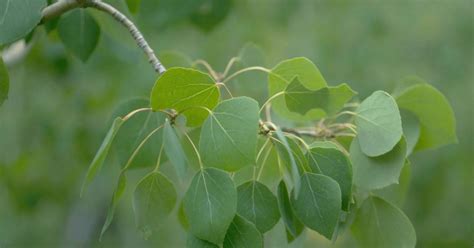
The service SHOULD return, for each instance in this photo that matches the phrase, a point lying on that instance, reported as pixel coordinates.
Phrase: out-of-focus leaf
(4, 82)
(121, 185)
(172, 59)
(210, 13)
(133, 5)
(411, 130)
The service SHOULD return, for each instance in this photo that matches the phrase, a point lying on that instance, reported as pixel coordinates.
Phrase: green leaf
(292, 223)
(18, 18)
(318, 204)
(101, 154)
(182, 218)
(153, 200)
(377, 172)
(79, 32)
(395, 193)
(411, 130)
(436, 117)
(242, 234)
(257, 204)
(334, 164)
(172, 59)
(229, 135)
(329, 100)
(173, 150)
(185, 90)
(323, 144)
(291, 155)
(4, 82)
(380, 224)
(121, 185)
(210, 13)
(133, 5)
(193, 242)
(379, 126)
(210, 204)
(282, 74)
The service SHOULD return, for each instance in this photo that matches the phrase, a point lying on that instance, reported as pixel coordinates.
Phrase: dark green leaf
(329, 100)
(380, 224)
(101, 154)
(318, 204)
(4, 82)
(18, 18)
(282, 74)
(133, 5)
(153, 200)
(122, 183)
(79, 32)
(229, 135)
(323, 144)
(334, 164)
(395, 193)
(293, 225)
(193, 242)
(210, 204)
(242, 234)
(436, 117)
(173, 149)
(257, 204)
(377, 172)
(185, 90)
(210, 13)
(379, 126)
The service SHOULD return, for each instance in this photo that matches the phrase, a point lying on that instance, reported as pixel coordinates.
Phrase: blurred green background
(59, 108)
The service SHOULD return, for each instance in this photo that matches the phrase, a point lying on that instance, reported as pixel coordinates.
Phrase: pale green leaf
(229, 135)
(18, 18)
(379, 126)
(101, 154)
(174, 150)
(79, 32)
(330, 100)
(436, 117)
(380, 224)
(119, 190)
(4, 82)
(242, 234)
(210, 204)
(185, 90)
(318, 204)
(395, 193)
(411, 130)
(257, 204)
(292, 223)
(377, 172)
(282, 74)
(336, 165)
(153, 200)
(133, 5)
(193, 242)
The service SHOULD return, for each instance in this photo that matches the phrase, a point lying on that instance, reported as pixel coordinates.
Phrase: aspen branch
(62, 6)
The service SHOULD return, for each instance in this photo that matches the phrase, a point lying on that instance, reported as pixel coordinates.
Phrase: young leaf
(210, 204)
(185, 90)
(380, 224)
(133, 5)
(379, 126)
(122, 183)
(318, 204)
(4, 82)
(334, 164)
(79, 32)
(18, 18)
(101, 154)
(242, 234)
(282, 74)
(193, 242)
(411, 130)
(329, 100)
(293, 225)
(377, 172)
(436, 117)
(257, 204)
(173, 149)
(229, 135)
(153, 200)
(395, 193)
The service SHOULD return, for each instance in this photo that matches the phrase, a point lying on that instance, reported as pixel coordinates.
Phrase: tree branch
(62, 6)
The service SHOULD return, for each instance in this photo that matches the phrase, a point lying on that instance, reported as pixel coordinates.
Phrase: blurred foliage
(59, 108)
